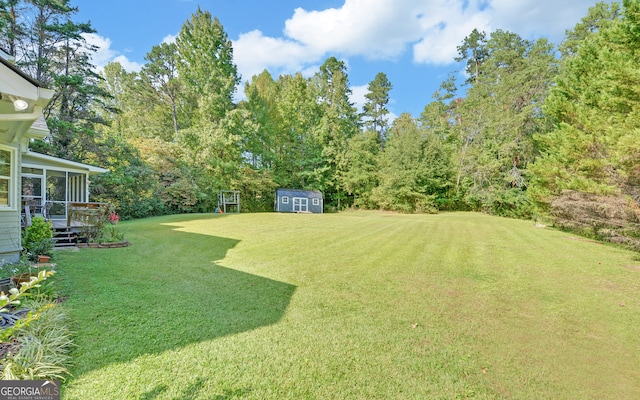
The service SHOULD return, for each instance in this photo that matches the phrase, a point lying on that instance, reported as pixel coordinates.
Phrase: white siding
(10, 241)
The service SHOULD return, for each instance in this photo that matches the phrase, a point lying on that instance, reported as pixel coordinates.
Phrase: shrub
(11, 269)
(11, 302)
(110, 234)
(613, 218)
(38, 238)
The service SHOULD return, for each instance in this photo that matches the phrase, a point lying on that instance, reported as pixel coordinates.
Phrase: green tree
(117, 82)
(375, 108)
(132, 185)
(439, 119)
(474, 52)
(76, 108)
(11, 28)
(360, 176)
(339, 122)
(206, 66)
(594, 105)
(209, 77)
(497, 119)
(599, 17)
(51, 39)
(50, 47)
(298, 150)
(161, 73)
(415, 169)
(262, 94)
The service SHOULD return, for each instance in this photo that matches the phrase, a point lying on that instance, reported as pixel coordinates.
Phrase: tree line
(535, 130)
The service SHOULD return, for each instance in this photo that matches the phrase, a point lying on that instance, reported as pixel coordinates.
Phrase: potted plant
(114, 218)
(12, 272)
(42, 250)
(38, 239)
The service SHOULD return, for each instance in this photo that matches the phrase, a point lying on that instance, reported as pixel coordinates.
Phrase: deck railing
(86, 214)
(78, 213)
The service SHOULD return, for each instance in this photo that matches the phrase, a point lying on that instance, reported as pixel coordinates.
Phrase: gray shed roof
(299, 193)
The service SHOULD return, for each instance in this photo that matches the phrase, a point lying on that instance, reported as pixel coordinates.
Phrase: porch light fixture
(19, 104)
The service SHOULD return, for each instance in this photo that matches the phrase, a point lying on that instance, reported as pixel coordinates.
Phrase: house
(299, 201)
(28, 178)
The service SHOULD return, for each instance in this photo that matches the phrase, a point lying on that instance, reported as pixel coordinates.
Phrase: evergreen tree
(439, 119)
(474, 52)
(209, 78)
(599, 17)
(206, 66)
(11, 28)
(338, 124)
(497, 119)
(50, 47)
(51, 39)
(161, 73)
(375, 108)
(594, 106)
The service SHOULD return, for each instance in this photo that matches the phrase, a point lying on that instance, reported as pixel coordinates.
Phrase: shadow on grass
(193, 391)
(162, 293)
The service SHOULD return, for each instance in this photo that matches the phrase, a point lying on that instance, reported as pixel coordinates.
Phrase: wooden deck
(77, 226)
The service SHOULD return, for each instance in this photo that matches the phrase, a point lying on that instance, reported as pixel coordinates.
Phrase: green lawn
(352, 306)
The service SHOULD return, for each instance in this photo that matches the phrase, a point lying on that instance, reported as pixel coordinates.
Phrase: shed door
(300, 204)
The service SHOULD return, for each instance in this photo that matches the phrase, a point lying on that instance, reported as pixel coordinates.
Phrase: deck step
(65, 237)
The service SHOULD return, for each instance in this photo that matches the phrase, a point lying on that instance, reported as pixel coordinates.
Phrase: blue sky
(412, 41)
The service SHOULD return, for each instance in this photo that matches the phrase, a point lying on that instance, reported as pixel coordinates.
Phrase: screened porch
(53, 187)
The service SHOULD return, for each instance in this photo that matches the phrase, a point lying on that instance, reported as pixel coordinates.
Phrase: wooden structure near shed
(229, 198)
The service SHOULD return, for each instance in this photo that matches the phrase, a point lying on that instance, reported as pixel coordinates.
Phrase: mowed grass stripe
(353, 305)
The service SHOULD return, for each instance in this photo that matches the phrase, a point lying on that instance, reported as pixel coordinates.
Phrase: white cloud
(381, 30)
(169, 39)
(357, 96)
(127, 64)
(534, 18)
(105, 54)
(386, 29)
(254, 52)
(376, 29)
(440, 43)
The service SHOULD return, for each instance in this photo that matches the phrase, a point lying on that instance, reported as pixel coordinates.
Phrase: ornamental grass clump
(43, 347)
(37, 342)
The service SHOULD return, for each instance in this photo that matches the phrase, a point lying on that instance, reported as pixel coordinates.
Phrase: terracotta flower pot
(43, 259)
(18, 279)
